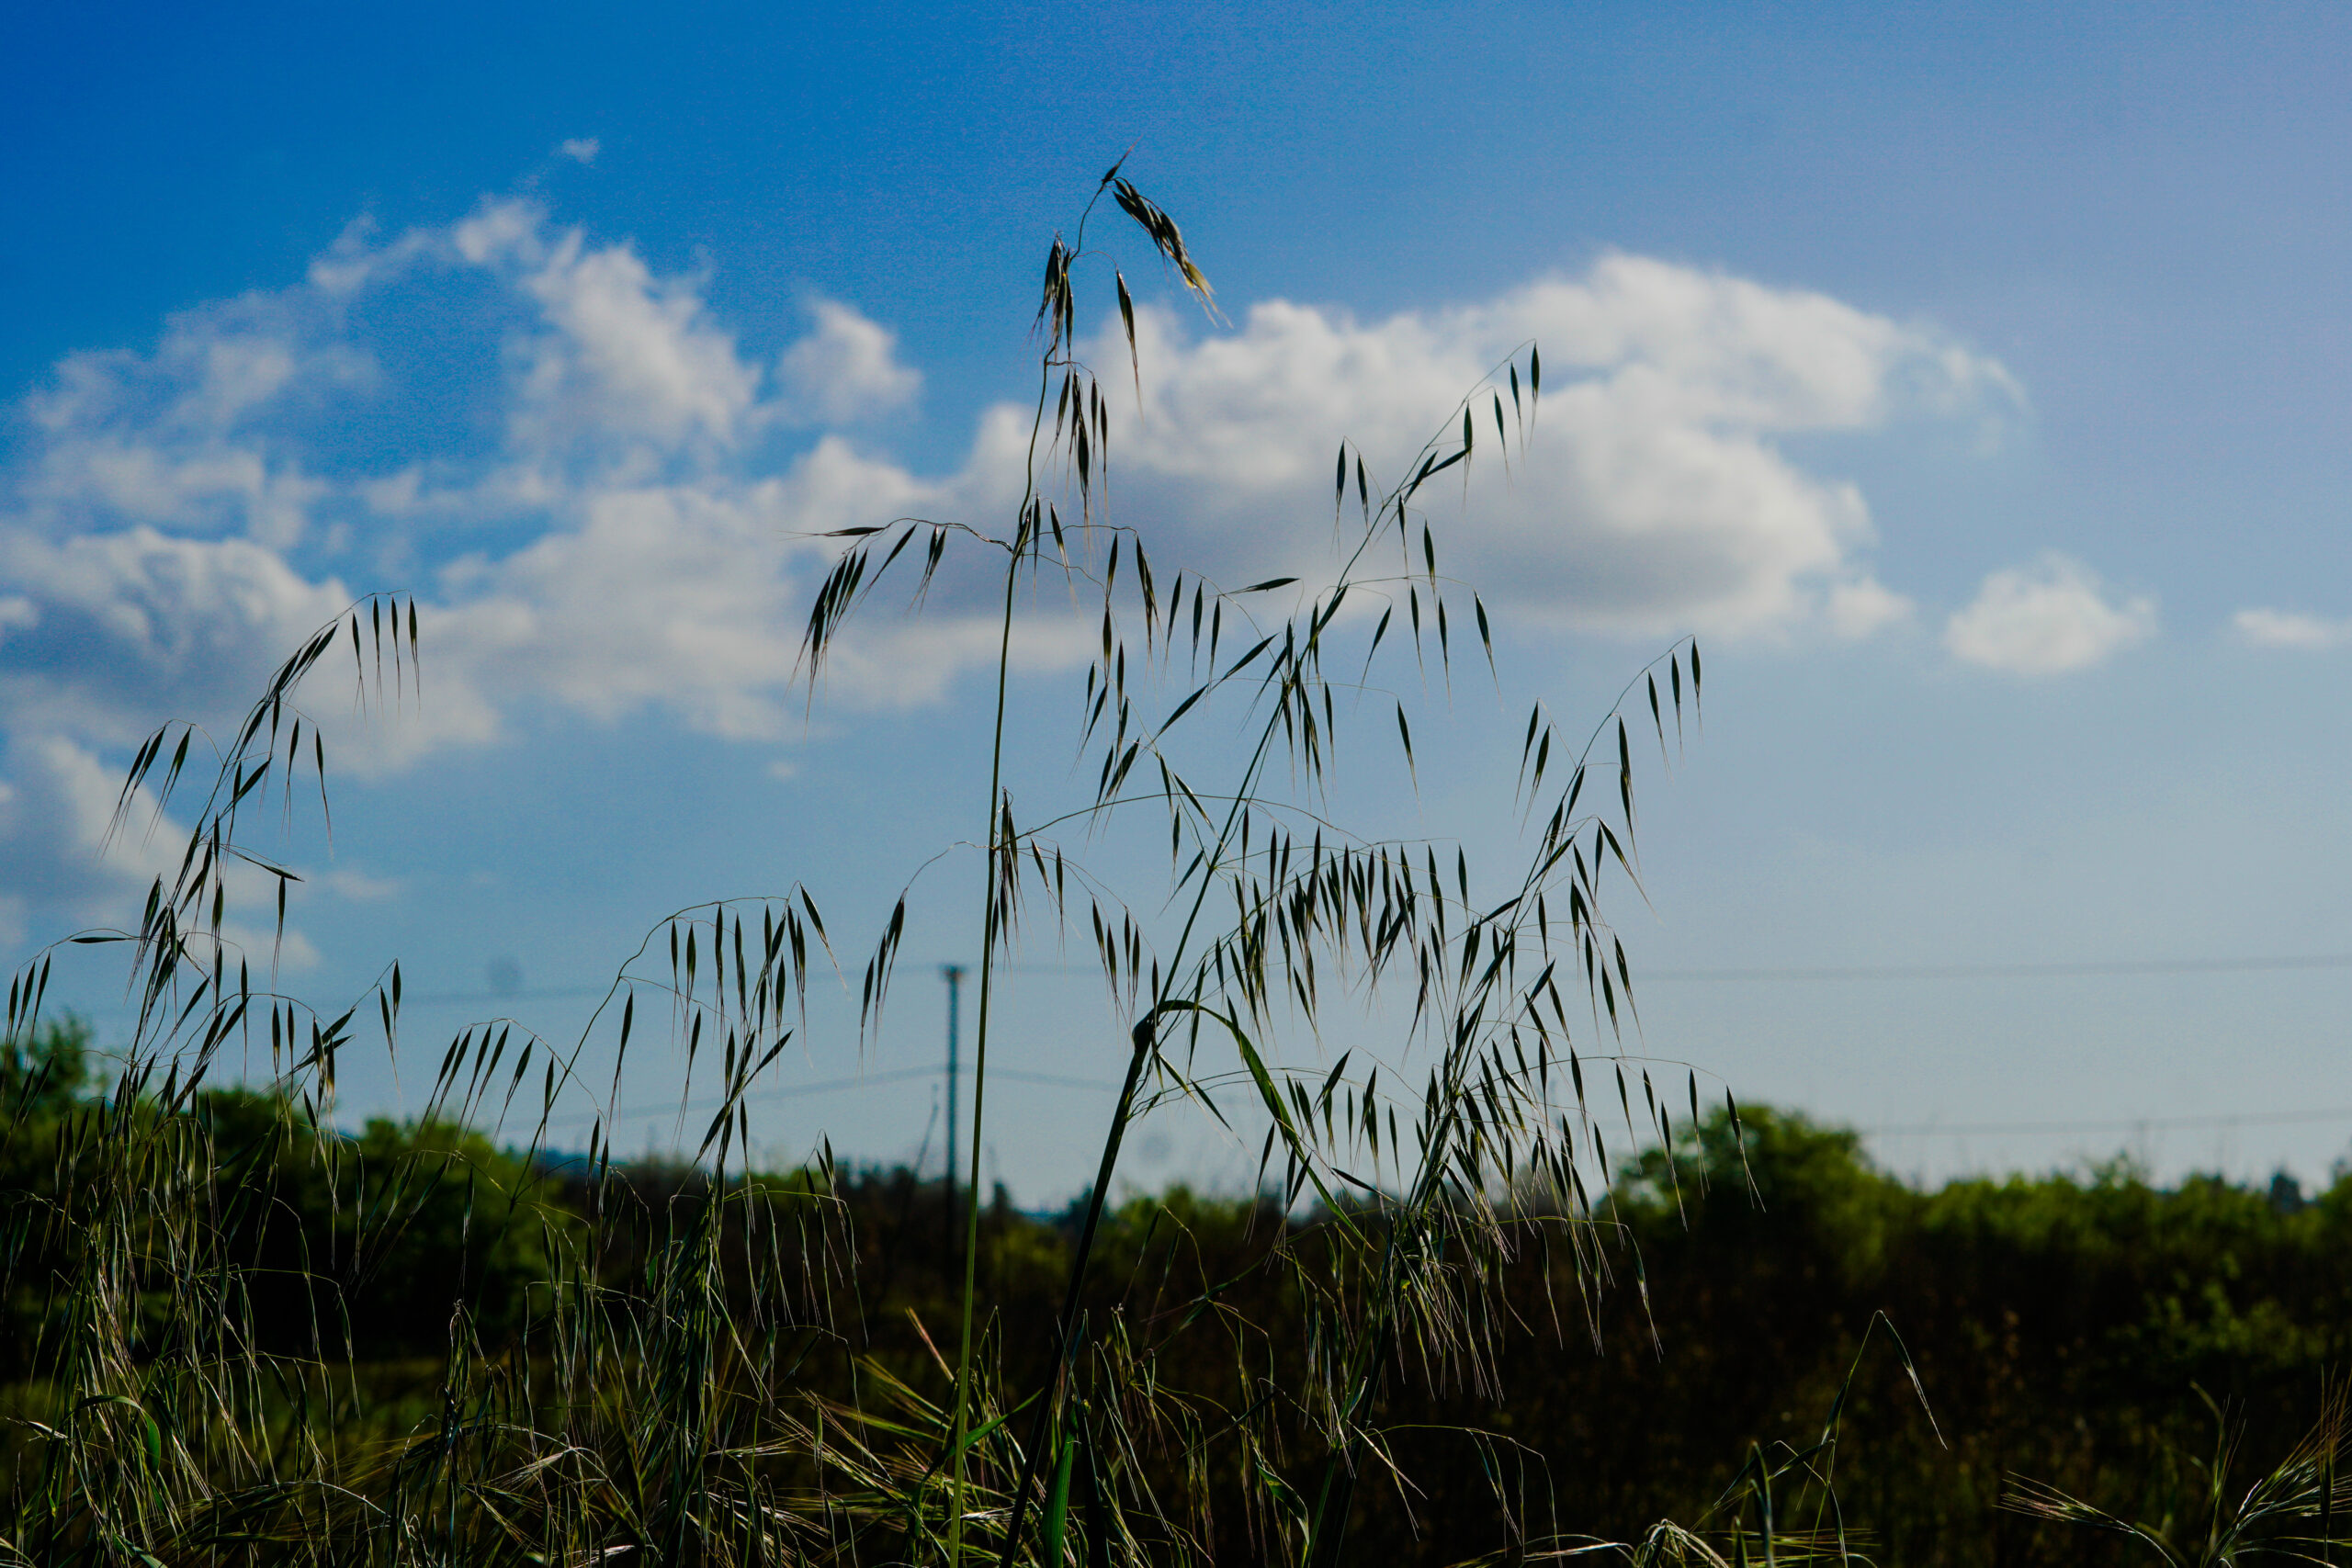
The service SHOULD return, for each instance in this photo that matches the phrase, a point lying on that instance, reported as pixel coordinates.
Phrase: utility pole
(954, 975)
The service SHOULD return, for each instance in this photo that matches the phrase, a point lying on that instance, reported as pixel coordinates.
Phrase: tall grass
(1438, 1062)
(1402, 1266)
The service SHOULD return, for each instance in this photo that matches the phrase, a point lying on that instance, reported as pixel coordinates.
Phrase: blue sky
(1969, 378)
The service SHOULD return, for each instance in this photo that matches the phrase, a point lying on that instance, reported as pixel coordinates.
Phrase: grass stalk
(1066, 1335)
(960, 1431)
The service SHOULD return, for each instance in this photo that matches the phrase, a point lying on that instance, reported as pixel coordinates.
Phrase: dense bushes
(333, 1245)
(2067, 1328)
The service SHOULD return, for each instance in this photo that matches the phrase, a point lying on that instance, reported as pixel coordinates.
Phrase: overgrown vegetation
(246, 1337)
(2064, 1327)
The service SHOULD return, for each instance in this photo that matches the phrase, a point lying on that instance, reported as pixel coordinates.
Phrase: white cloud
(2045, 619)
(168, 438)
(628, 355)
(2287, 629)
(55, 847)
(217, 487)
(347, 882)
(1856, 609)
(54, 813)
(62, 850)
(582, 147)
(1653, 500)
(846, 369)
(575, 465)
(128, 627)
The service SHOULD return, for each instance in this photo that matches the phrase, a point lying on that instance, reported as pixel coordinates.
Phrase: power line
(475, 999)
(2018, 971)
(2130, 1124)
(2090, 969)
(2051, 1128)
(575, 993)
(827, 1086)
(2087, 968)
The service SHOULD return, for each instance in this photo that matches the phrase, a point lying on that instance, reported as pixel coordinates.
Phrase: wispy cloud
(2287, 629)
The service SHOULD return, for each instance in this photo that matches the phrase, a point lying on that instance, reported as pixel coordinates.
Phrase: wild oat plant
(695, 1374)
(2296, 1512)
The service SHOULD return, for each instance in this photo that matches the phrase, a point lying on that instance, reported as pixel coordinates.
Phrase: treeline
(2096, 1333)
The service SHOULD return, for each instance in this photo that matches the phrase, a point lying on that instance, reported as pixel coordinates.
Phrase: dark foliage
(2067, 1329)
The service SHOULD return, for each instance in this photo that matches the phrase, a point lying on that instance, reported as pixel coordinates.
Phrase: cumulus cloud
(1653, 499)
(846, 369)
(54, 808)
(606, 502)
(120, 630)
(586, 512)
(156, 438)
(622, 354)
(2046, 619)
(2287, 629)
(582, 148)
(60, 850)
